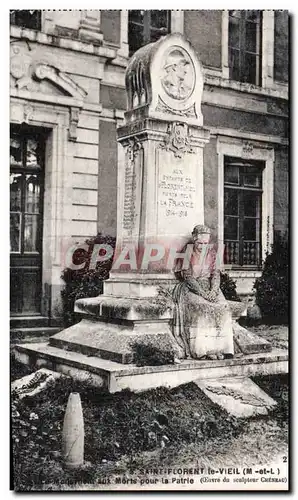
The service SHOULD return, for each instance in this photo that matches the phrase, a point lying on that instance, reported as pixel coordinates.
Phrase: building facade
(67, 85)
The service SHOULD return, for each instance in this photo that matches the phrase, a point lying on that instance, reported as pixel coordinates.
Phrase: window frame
(243, 149)
(25, 170)
(147, 28)
(243, 50)
(242, 188)
(268, 84)
(37, 26)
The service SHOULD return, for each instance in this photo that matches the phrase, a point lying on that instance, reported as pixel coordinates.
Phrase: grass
(128, 431)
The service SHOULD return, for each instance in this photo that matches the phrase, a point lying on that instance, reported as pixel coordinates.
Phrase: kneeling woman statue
(202, 323)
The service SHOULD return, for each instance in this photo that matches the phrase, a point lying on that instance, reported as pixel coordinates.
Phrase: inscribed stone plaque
(132, 192)
(178, 197)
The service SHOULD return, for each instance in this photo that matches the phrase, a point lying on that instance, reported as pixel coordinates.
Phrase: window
(242, 211)
(245, 33)
(26, 174)
(145, 26)
(26, 18)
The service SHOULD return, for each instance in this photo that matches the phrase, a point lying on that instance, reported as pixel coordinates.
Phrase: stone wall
(281, 190)
(107, 186)
(85, 178)
(110, 26)
(65, 99)
(66, 18)
(211, 186)
(88, 186)
(112, 97)
(198, 25)
(264, 123)
(281, 46)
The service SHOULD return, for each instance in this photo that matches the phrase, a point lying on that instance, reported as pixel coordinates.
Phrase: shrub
(228, 287)
(152, 419)
(272, 287)
(86, 282)
(150, 355)
(17, 369)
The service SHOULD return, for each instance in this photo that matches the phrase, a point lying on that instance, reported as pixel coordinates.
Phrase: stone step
(37, 321)
(37, 333)
(116, 376)
(79, 366)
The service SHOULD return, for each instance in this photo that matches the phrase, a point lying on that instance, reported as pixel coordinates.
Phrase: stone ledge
(116, 377)
(249, 88)
(23, 334)
(113, 341)
(132, 309)
(62, 42)
(110, 307)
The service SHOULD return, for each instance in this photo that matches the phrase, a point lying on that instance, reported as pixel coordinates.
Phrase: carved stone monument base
(116, 377)
(130, 312)
(113, 326)
(115, 341)
(160, 197)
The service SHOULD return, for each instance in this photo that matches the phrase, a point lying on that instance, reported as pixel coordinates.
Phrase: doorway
(27, 154)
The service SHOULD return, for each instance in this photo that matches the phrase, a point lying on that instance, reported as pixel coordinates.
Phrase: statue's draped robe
(202, 317)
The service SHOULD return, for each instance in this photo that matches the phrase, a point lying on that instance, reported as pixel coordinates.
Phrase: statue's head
(201, 234)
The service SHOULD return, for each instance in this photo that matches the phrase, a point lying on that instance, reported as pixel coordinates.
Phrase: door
(26, 220)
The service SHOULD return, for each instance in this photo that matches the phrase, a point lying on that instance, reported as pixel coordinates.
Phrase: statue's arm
(195, 287)
(215, 281)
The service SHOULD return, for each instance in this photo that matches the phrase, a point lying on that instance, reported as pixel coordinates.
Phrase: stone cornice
(64, 43)
(229, 133)
(46, 98)
(27, 101)
(232, 134)
(246, 87)
(157, 130)
(56, 100)
(106, 52)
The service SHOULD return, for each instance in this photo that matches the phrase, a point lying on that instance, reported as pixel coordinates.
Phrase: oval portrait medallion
(178, 76)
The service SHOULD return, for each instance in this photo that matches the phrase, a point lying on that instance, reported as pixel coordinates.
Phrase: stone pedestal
(160, 196)
(161, 193)
(160, 173)
(160, 199)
